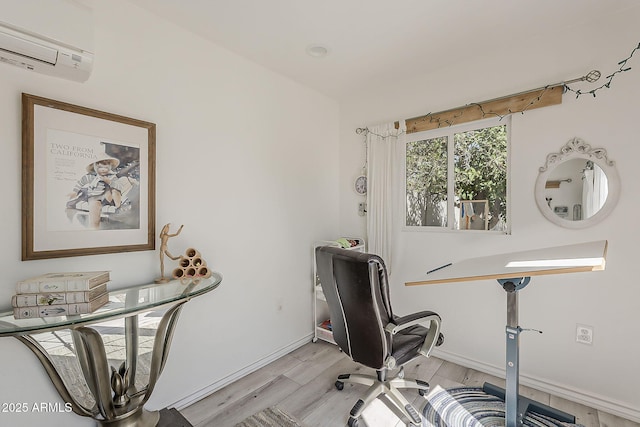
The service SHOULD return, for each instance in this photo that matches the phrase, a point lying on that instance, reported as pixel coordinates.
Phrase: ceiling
(373, 42)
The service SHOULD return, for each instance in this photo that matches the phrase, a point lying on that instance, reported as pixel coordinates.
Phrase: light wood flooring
(302, 385)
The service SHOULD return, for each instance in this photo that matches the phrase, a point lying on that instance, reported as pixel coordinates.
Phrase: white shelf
(320, 308)
(324, 335)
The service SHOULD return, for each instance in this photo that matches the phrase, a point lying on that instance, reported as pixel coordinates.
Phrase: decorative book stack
(60, 294)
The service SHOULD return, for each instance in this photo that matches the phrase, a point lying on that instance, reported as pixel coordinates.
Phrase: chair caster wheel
(425, 387)
(353, 422)
(339, 385)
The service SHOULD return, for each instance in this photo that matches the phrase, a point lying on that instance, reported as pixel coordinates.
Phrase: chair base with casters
(389, 388)
(383, 386)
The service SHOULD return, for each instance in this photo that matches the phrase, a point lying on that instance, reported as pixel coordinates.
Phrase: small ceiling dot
(317, 51)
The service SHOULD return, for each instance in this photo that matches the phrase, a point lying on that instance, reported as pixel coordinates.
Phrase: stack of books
(60, 294)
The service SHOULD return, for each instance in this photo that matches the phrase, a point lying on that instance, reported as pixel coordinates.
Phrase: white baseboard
(201, 394)
(593, 400)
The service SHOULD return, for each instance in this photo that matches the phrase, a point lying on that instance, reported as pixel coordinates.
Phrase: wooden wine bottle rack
(191, 266)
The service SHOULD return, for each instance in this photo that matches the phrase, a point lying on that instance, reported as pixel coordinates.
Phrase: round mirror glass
(578, 186)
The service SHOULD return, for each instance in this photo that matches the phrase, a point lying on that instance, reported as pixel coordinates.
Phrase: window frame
(449, 133)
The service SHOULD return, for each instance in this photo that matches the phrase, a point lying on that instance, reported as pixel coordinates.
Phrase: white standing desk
(513, 271)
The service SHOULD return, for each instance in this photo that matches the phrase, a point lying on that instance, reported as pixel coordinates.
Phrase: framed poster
(88, 181)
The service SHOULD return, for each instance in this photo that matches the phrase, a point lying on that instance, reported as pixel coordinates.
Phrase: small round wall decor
(360, 185)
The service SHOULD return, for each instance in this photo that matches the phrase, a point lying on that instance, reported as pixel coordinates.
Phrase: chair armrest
(400, 323)
(430, 341)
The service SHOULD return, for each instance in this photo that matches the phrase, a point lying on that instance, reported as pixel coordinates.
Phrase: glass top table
(122, 303)
(105, 364)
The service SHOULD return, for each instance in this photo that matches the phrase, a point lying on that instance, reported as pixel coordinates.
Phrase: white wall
(246, 160)
(605, 374)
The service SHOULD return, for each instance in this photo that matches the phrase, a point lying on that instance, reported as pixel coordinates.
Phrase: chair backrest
(355, 285)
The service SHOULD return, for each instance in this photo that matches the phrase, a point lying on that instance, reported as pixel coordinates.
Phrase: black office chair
(356, 287)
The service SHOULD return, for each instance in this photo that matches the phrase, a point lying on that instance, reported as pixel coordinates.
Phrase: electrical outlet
(584, 334)
(362, 208)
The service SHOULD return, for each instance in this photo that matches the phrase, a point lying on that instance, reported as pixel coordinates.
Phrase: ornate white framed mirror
(578, 186)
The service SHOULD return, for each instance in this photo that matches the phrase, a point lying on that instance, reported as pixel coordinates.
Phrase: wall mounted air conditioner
(53, 37)
(43, 55)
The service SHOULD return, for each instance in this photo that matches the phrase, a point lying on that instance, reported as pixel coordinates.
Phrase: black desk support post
(516, 405)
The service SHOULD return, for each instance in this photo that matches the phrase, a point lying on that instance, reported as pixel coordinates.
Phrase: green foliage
(426, 181)
(481, 168)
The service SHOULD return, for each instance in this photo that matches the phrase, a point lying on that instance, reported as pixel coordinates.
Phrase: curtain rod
(590, 77)
(513, 99)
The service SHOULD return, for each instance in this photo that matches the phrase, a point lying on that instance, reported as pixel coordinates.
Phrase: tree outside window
(461, 186)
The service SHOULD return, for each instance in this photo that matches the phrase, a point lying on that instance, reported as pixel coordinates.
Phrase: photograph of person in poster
(95, 184)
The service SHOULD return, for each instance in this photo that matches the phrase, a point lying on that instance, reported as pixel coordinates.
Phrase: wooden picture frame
(88, 181)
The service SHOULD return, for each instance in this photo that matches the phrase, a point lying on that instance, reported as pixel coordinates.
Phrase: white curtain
(383, 145)
(595, 189)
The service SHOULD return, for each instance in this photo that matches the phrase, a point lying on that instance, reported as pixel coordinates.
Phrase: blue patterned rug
(471, 407)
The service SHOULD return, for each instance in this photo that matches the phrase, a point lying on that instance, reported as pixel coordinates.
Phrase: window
(456, 177)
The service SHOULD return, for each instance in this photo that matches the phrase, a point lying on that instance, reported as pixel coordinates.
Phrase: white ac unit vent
(44, 55)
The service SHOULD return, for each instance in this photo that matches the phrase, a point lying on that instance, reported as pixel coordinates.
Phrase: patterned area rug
(270, 417)
(471, 407)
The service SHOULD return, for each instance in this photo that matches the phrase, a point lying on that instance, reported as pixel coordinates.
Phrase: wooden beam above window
(481, 110)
